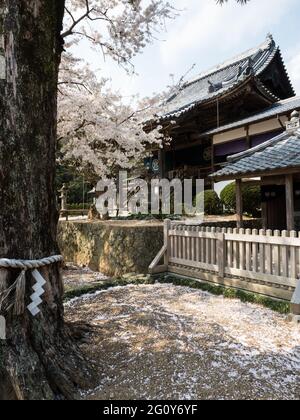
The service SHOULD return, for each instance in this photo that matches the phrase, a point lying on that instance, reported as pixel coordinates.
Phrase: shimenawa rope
(9, 300)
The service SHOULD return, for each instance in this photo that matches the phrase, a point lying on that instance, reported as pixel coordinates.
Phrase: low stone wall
(114, 248)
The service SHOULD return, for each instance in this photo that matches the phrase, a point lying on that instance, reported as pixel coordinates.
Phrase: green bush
(251, 199)
(212, 202)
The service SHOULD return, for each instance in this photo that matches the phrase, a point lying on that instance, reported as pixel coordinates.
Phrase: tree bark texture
(38, 359)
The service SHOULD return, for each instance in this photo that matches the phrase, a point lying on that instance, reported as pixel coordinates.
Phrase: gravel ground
(77, 277)
(168, 342)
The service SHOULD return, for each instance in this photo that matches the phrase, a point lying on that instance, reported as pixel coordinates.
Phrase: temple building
(230, 109)
(275, 166)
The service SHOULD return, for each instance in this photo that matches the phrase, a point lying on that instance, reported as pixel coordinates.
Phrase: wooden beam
(273, 180)
(239, 203)
(290, 210)
(263, 289)
(157, 259)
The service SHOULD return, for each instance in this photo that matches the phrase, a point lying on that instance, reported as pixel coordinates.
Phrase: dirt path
(168, 342)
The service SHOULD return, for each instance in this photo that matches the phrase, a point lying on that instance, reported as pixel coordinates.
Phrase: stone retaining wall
(111, 247)
(118, 248)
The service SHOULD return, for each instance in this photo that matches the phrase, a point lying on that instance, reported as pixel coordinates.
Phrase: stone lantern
(64, 197)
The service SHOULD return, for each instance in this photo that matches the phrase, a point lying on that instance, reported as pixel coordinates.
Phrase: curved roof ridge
(266, 45)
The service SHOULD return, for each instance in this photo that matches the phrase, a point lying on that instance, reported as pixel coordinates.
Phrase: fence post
(167, 227)
(221, 244)
(295, 304)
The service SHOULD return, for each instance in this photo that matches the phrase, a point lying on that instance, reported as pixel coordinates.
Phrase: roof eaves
(181, 111)
(278, 108)
(268, 60)
(222, 175)
(239, 164)
(264, 90)
(286, 72)
(269, 48)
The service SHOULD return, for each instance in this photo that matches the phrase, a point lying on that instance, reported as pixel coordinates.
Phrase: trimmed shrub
(212, 202)
(251, 199)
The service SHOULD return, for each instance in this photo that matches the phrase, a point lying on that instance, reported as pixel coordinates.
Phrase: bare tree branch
(79, 84)
(69, 31)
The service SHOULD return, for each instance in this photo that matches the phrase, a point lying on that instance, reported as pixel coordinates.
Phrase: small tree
(212, 202)
(251, 199)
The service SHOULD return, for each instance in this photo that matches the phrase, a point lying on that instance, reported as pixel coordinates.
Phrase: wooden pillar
(290, 210)
(212, 162)
(162, 162)
(248, 138)
(295, 302)
(239, 203)
(167, 227)
(264, 215)
(221, 256)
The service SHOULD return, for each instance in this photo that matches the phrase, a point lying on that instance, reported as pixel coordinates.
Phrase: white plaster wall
(257, 128)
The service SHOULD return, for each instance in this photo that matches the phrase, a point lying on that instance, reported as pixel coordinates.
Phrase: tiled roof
(221, 79)
(280, 152)
(279, 108)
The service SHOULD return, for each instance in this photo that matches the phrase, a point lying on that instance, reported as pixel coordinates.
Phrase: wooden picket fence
(264, 262)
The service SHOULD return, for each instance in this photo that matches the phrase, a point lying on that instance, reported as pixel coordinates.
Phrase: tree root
(40, 360)
(54, 369)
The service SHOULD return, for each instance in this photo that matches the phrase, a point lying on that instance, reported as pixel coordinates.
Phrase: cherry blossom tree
(98, 132)
(119, 28)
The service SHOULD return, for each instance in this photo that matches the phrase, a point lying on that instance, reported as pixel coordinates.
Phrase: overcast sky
(206, 34)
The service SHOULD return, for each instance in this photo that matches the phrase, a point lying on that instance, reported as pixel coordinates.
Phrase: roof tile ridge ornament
(271, 40)
(249, 69)
(293, 126)
(269, 43)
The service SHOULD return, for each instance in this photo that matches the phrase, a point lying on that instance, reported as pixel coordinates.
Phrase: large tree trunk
(38, 360)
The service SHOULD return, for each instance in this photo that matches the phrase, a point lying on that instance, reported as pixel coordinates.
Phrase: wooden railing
(264, 262)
